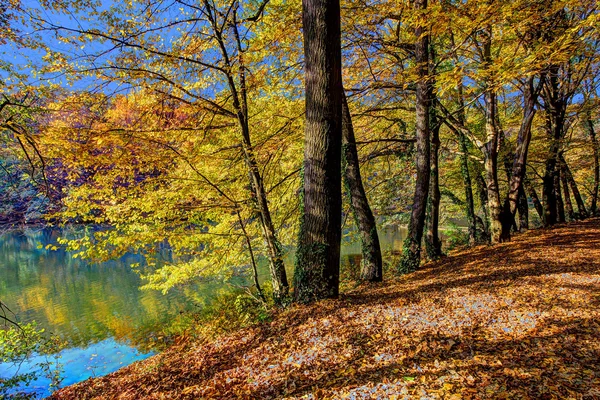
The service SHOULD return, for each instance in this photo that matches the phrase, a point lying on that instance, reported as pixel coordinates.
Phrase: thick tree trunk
(411, 255)
(490, 148)
(490, 152)
(371, 264)
(523, 208)
(576, 194)
(555, 120)
(595, 150)
(318, 253)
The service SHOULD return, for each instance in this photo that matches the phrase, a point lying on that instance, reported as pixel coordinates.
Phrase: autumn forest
(262, 135)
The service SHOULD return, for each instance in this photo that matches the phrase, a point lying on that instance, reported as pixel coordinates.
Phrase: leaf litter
(518, 320)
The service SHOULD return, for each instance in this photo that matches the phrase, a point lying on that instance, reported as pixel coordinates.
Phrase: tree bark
(371, 264)
(318, 252)
(537, 204)
(560, 205)
(555, 119)
(490, 148)
(523, 208)
(517, 172)
(433, 244)
(411, 254)
(466, 176)
(576, 194)
(567, 195)
(482, 190)
(595, 149)
(490, 152)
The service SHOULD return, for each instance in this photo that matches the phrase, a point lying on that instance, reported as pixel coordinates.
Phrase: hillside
(516, 320)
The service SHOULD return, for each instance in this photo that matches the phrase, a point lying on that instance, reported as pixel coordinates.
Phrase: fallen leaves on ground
(516, 320)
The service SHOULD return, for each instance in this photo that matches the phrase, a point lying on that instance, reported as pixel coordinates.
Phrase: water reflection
(79, 301)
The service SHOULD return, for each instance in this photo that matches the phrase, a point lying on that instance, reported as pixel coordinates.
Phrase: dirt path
(517, 320)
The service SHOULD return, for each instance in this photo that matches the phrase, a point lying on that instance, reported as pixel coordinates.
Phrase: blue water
(78, 364)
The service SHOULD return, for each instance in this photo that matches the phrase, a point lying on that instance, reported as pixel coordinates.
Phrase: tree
(371, 263)
(411, 252)
(207, 65)
(318, 252)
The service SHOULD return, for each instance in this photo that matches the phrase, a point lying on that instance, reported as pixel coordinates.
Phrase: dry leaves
(517, 320)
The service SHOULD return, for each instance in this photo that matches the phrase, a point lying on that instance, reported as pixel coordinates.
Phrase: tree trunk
(318, 252)
(567, 196)
(560, 205)
(548, 192)
(482, 190)
(259, 195)
(490, 148)
(523, 208)
(519, 164)
(595, 150)
(466, 175)
(411, 254)
(491, 170)
(464, 162)
(569, 177)
(555, 112)
(276, 265)
(371, 264)
(537, 204)
(433, 244)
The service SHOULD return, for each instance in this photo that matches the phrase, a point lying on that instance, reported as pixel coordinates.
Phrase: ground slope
(516, 320)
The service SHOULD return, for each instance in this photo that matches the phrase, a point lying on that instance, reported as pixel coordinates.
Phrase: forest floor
(517, 320)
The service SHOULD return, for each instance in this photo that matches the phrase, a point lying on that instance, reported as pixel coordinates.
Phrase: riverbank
(516, 320)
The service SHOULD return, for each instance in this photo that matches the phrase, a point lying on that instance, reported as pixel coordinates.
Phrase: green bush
(455, 237)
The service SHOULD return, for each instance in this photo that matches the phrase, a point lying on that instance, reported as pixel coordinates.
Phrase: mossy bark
(318, 252)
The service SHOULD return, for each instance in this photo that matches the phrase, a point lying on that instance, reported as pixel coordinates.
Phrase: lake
(99, 308)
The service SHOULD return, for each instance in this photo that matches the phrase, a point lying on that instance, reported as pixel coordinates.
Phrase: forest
(241, 136)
